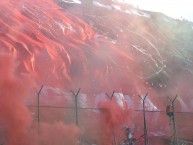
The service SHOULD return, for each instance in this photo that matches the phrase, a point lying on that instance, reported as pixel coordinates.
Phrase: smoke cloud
(58, 45)
(15, 119)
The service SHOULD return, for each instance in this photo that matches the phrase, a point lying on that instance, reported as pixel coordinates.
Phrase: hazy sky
(174, 8)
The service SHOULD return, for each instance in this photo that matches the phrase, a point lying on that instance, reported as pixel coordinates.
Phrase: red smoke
(42, 43)
(114, 119)
(15, 119)
(58, 134)
(58, 49)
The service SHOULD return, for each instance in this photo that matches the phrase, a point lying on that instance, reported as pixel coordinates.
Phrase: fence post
(110, 97)
(76, 105)
(38, 93)
(114, 136)
(144, 119)
(175, 139)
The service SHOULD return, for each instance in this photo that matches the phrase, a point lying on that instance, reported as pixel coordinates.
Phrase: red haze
(113, 119)
(41, 43)
(15, 119)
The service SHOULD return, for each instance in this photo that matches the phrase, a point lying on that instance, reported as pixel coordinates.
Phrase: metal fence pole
(114, 136)
(175, 140)
(39, 105)
(144, 120)
(76, 105)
